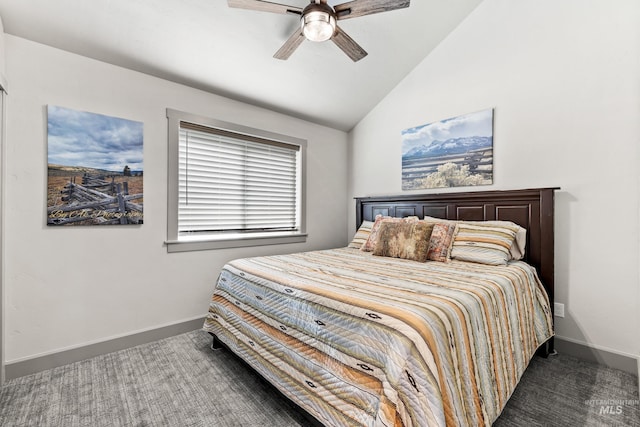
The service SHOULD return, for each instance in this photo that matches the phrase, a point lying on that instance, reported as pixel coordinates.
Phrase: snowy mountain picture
(454, 152)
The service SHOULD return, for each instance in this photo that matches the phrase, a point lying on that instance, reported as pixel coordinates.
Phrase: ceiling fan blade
(265, 6)
(355, 8)
(348, 45)
(290, 45)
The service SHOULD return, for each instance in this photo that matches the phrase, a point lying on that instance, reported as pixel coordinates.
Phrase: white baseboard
(31, 365)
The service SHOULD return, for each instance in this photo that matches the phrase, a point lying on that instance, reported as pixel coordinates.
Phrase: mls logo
(610, 409)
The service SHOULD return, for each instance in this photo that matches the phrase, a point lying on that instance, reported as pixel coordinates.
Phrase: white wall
(562, 77)
(2, 126)
(70, 286)
(3, 80)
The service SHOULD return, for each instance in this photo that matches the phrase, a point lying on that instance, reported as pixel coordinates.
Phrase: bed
(358, 338)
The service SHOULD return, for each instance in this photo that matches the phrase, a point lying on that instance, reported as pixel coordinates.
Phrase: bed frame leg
(215, 343)
(547, 349)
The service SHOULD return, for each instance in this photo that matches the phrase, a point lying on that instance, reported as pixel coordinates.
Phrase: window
(232, 186)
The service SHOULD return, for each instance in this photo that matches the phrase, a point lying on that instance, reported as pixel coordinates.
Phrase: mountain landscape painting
(95, 174)
(455, 152)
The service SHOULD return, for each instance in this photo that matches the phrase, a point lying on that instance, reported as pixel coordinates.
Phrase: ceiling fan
(318, 21)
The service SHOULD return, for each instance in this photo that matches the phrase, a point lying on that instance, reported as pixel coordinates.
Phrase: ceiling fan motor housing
(318, 22)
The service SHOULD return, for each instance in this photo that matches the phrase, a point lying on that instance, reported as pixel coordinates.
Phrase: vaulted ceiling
(207, 45)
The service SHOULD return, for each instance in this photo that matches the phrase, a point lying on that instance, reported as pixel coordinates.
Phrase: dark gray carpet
(565, 391)
(179, 381)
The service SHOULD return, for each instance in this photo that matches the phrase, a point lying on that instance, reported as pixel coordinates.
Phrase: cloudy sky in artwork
(467, 125)
(79, 138)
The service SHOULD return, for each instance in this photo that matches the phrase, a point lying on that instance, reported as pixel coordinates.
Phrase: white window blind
(234, 183)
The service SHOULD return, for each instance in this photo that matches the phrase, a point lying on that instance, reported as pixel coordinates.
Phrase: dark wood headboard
(531, 209)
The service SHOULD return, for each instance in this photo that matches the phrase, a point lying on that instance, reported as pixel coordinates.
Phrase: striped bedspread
(362, 340)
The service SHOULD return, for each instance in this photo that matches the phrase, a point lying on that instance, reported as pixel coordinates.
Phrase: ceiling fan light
(318, 25)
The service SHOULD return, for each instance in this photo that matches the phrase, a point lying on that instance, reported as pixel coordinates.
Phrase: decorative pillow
(441, 241)
(361, 235)
(370, 244)
(483, 243)
(516, 250)
(407, 240)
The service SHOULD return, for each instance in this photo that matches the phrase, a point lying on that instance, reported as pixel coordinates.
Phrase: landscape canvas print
(95, 169)
(455, 152)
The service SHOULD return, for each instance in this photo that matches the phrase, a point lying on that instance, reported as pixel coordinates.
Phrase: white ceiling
(207, 45)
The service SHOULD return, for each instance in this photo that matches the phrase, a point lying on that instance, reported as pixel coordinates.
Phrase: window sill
(186, 244)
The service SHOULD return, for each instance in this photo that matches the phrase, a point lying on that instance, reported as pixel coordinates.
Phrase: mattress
(362, 340)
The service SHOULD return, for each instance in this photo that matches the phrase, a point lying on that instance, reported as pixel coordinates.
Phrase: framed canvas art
(455, 152)
(95, 169)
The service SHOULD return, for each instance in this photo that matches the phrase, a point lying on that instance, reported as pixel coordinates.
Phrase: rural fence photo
(94, 168)
(98, 199)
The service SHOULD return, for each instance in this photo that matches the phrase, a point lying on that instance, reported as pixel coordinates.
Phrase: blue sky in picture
(79, 138)
(425, 138)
